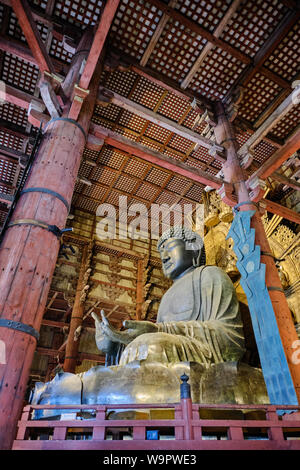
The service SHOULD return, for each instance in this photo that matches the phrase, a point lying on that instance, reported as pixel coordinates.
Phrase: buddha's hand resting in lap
(134, 329)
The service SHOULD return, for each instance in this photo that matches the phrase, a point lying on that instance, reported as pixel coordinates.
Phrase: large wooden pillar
(234, 174)
(29, 251)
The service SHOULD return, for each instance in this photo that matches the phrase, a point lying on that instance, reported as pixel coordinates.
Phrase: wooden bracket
(226, 194)
(79, 96)
(257, 189)
(35, 114)
(247, 159)
(94, 143)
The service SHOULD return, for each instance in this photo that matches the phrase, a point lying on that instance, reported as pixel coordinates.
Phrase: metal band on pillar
(237, 206)
(19, 326)
(47, 191)
(279, 289)
(38, 223)
(72, 121)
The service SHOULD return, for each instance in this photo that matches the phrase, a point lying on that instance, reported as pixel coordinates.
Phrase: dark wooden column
(139, 289)
(28, 253)
(77, 312)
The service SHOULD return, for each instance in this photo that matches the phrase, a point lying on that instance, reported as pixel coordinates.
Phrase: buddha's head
(180, 249)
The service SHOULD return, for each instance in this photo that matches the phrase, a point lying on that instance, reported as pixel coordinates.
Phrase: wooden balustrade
(194, 427)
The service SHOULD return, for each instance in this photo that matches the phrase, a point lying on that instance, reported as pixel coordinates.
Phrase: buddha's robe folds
(198, 320)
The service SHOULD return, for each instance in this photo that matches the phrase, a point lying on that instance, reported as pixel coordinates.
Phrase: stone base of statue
(142, 382)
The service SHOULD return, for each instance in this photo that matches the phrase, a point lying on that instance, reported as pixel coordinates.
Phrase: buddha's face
(175, 257)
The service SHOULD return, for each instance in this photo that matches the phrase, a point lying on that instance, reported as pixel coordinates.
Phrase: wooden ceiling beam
(195, 27)
(58, 25)
(282, 211)
(129, 62)
(97, 48)
(277, 115)
(134, 148)
(292, 144)
(18, 49)
(264, 53)
(157, 34)
(55, 324)
(280, 178)
(20, 98)
(32, 35)
(98, 43)
(209, 46)
(161, 121)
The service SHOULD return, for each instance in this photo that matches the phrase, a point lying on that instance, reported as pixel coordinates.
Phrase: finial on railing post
(186, 407)
(185, 388)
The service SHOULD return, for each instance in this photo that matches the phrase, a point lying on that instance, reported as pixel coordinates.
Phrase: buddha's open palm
(134, 329)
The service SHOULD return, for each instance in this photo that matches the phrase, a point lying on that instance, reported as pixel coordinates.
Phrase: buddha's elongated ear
(199, 258)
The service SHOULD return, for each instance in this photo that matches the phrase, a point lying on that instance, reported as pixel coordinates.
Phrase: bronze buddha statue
(198, 332)
(198, 318)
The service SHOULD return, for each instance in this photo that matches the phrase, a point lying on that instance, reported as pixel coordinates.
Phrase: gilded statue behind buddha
(198, 331)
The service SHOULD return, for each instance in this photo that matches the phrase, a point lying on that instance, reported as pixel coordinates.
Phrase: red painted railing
(255, 427)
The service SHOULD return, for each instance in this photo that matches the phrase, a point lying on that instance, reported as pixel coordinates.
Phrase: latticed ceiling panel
(95, 191)
(79, 12)
(157, 133)
(206, 13)
(90, 154)
(10, 140)
(19, 73)
(119, 82)
(173, 107)
(131, 121)
(195, 163)
(252, 24)
(181, 144)
(146, 192)
(178, 185)
(57, 50)
(191, 121)
(195, 192)
(133, 26)
(13, 114)
(258, 95)
(173, 154)
(125, 183)
(14, 30)
(103, 175)
(263, 151)
(286, 125)
(285, 59)
(3, 214)
(40, 3)
(87, 204)
(7, 171)
(166, 197)
(217, 74)
(157, 176)
(153, 145)
(135, 167)
(201, 153)
(111, 158)
(176, 51)
(110, 112)
(147, 94)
